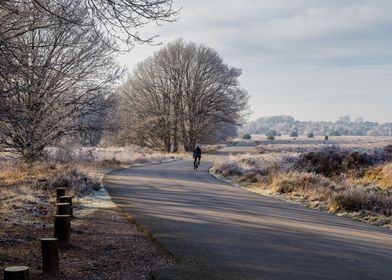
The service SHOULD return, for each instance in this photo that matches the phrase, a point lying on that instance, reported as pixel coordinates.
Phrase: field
(348, 176)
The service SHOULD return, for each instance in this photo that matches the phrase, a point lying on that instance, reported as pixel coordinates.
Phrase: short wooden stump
(16, 273)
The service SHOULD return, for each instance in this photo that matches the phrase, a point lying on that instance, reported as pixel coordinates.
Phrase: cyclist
(196, 155)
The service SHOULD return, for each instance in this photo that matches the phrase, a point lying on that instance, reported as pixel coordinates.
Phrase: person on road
(196, 156)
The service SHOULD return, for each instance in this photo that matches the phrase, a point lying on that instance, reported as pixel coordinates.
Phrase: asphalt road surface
(219, 231)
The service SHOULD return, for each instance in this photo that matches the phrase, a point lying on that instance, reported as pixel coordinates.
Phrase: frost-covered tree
(182, 95)
(56, 76)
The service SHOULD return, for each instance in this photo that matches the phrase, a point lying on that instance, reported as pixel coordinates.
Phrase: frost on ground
(27, 207)
(349, 180)
(110, 156)
(27, 193)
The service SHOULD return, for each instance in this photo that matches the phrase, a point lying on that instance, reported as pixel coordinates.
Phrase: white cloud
(296, 54)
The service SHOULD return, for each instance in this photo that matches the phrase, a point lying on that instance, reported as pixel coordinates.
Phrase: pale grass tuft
(308, 185)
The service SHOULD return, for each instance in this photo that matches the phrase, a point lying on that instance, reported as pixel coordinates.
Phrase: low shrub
(270, 137)
(250, 177)
(380, 176)
(308, 185)
(357, 199)
(326, 161)
(229, 168)
(332, 160)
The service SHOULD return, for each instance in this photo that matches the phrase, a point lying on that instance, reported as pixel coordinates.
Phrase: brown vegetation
(349, 182)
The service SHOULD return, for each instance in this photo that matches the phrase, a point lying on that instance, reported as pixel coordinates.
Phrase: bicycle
(196, 163)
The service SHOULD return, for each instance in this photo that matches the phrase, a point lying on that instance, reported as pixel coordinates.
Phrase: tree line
(57, 69)
(343, 126)
(59, 79)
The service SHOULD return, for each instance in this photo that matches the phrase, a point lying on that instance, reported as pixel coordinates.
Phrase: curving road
(219, 231)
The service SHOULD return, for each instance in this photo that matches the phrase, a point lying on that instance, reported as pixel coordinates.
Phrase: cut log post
(63, 209)
(16, 273)
(50, 256)
(67, 199)
(62, 229)
(59, 193)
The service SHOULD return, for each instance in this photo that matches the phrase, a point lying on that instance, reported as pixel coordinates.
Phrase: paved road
(219, 231)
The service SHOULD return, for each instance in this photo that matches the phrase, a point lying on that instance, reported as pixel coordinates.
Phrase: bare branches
(51, 80)
(116, 22)
(182, 95)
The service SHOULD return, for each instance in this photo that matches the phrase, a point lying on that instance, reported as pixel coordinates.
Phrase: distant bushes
(330, 161)
(270, 137)
(294, 133)
(246, 136)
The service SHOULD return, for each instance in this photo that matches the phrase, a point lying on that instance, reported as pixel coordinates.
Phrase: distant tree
(183, 95)
(344, 120)
(270, 137)
(344, 126)
(246, 136)
(294, 133)
(271, 132)
(335, 133)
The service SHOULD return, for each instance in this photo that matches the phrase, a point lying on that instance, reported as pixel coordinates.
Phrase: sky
(311, 59)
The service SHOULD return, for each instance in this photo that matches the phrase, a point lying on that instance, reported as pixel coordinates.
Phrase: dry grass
(26, 191)
(109, 155)
(309, 185)
(379, 175)
(27, 194)
(353, 182)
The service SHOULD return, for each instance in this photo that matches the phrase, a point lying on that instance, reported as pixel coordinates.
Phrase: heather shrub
(302, 183)
(332, 160)
(326, 161)
(250, 177)
(356, 199)
(229, 168)
(356, 159)
(380, 176)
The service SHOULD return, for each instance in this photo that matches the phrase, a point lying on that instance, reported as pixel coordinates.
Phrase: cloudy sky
(312, 59)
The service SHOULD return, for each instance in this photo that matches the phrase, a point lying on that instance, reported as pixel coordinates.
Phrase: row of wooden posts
(50, 246)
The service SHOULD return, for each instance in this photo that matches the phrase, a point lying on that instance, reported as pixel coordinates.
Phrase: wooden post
(50, 256)
(16, 273)
(67, 199)
(63, 209)
(62, 229)
(59, 193)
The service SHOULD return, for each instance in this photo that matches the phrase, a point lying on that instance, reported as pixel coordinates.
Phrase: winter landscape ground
(349, 176)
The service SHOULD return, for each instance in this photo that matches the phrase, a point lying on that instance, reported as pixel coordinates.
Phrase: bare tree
(56, 76)
(114, 21)
(184, 94)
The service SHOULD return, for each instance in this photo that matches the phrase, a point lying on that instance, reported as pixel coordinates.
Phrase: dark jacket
(197, 152)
